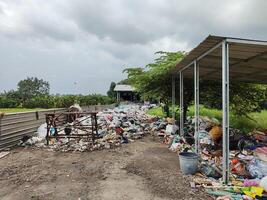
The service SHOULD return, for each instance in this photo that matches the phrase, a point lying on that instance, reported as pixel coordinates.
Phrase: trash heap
(123, 124)
(248, 157)
(126, 123)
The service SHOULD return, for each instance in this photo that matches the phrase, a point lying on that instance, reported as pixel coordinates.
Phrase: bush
(34, 93)
(40, 101)
(6, 102)
(54, 101)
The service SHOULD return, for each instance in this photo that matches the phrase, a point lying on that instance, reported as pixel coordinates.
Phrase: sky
(81, 46)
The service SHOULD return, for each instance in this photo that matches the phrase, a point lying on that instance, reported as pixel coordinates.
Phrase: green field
(258, 121)
(14, 110)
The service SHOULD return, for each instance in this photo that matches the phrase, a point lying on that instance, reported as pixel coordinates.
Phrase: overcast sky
(90, 42)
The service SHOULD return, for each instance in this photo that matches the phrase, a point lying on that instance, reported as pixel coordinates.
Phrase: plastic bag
(257, 168)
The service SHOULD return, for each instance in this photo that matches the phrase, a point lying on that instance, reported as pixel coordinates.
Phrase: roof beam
(245, 41)
(202, 55)
(219, 57)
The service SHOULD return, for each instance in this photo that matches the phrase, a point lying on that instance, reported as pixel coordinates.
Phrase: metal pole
(181, 104)
(173, 98)
(225, 107)
(92, 123)
(196, 92)
(117, 96)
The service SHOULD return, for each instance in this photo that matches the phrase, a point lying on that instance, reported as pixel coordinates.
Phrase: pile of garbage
(127, 123)
(248, 157)
(117, 126)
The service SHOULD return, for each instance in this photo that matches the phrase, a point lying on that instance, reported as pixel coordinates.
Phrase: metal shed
(123, 88)
(226, 59)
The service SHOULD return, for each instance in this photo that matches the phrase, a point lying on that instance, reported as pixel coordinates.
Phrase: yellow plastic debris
(253, 191)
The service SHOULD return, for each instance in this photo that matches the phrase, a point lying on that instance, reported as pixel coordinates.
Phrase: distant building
(125, 93)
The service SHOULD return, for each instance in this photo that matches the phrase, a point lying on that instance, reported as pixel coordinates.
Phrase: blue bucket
(188, 162)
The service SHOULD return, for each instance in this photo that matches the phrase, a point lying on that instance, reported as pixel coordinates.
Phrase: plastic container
(188, 162)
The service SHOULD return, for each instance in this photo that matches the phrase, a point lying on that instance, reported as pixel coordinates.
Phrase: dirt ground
(142, 170)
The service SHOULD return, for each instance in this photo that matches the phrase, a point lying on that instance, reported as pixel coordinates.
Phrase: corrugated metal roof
(124, 88)
(247, 60)
(204, 46)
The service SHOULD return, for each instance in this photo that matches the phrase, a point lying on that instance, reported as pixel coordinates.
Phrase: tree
(9, 99)
(124, 82)
(154, 81)
(30, 87)
(244, 97)
(111, 93)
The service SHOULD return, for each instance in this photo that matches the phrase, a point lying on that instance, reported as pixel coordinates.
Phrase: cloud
(90, 42)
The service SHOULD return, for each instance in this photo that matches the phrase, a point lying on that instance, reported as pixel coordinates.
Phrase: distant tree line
(34, 93)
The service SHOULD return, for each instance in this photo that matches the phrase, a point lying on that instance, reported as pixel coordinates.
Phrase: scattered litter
(117, 126)
(263, 183)
(127, 123)
(248, 156)
(257, 168)
(41, 131)
(4, 153)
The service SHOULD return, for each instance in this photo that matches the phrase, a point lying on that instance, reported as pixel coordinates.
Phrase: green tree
(244, 97)
(154, 81)
(30, 87)
(124, 82)
(9, 99)
(111, 93)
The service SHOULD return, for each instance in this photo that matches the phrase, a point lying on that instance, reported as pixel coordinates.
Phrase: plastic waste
(209, 171)
(42, 130)
(52, 131)
(251, 182)
(252, 191)
(171, 129)
(262, 153)
(204, 137)
(263, 183)
(257, 168)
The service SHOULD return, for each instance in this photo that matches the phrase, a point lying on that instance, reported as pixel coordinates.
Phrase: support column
(118, 96)
(225, 109)
(181, 104)
(196, 93)
(173, 98)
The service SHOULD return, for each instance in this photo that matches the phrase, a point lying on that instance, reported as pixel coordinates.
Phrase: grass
(203, 112)
(258, 121)
(15, 110)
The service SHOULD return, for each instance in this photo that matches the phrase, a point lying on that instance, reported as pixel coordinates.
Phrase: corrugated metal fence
(14, 126)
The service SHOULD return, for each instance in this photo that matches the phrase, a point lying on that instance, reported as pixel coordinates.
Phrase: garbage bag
(257, 168)
(41, 131)
(263, 183)
(204, 137)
